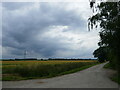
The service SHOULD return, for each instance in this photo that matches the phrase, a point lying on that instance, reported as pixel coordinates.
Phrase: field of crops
(18, 70)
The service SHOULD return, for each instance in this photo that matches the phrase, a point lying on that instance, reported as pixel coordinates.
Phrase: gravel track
(93, 77)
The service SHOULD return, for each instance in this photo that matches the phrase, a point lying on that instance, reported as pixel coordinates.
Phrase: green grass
(12, 77)
(108, 66)
(33, 71)
(115, 77)
(77, 69)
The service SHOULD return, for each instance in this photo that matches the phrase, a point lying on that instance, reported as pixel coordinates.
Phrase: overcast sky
(47, 30)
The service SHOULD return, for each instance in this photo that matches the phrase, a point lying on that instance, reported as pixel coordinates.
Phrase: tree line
(107, 17)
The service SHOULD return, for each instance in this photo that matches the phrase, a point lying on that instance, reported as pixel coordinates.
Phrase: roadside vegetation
(107, 17)
(21, 70)
(114, 77)
(108, 66)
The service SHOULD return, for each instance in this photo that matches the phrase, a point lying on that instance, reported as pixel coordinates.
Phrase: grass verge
(107, 66)
(77, 69)
(115, 77)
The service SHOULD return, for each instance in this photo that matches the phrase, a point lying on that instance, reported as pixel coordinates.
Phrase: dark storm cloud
(24, 25)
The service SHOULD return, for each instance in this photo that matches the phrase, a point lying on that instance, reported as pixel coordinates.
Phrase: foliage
(107, 16)
(101, 53)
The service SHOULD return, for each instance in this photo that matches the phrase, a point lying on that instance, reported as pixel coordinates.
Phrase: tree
(107, 16)
(101, 54)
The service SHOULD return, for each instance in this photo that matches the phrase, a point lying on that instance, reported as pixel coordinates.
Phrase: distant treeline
(16, 59)
(27, 59)
(68, 59)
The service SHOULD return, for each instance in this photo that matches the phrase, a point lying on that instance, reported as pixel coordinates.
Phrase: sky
(47, 30)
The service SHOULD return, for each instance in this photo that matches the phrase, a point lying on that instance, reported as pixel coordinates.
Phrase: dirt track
(94, 77)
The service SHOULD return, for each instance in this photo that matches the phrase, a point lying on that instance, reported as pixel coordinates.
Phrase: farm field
(21, 70)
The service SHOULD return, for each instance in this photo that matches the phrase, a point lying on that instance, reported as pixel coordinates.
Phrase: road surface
(93, 77)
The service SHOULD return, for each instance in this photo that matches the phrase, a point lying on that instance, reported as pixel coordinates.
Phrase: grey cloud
(15, 5)
(20, 31)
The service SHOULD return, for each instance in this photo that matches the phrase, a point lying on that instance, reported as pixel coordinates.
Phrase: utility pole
(25, 53)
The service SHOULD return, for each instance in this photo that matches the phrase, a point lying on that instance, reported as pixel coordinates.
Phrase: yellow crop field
(45, 62)
(14, 63)
(17, 70)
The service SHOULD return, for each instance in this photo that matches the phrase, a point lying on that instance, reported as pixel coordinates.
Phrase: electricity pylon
(25, 54)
